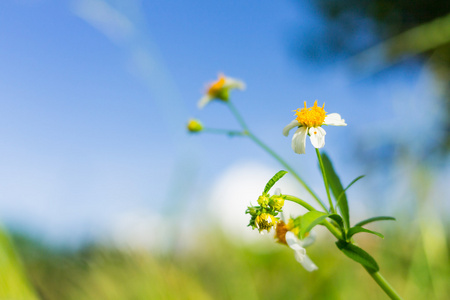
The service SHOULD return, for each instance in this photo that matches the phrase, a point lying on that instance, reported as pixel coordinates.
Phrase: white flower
(300, 252)
(309, 122)
(220, 89)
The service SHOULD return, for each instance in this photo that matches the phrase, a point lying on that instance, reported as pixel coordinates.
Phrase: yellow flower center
(216, 86)
(311, 117)
(265, 221)
(282, 228)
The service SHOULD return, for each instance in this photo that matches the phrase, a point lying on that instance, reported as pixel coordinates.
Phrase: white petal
(277, 192)
(203, 101)
(300, 255)
(334, 119)
(298, 140)
(293, 242)
(310, 239)
(317, 136)
(234, 83)
(288, 128)
(308, 264)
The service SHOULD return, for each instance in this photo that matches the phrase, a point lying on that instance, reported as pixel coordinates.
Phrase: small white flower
(219, 89)
(300, 252)
(309, 122)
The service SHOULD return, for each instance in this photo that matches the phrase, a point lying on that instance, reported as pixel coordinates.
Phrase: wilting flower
(220, 89)
(286, 234)
(309, 122)
(300, 252)
(194, 125)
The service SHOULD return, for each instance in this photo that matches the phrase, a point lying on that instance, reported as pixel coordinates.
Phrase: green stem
(379, 279)
(325, 180)
(224, 131)
(327, 224)
(288, 168)
(271, 152)
(237, 115)
(387, 288)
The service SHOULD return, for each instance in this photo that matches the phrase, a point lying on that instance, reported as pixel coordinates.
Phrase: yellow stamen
(216, 86)
(311, 117)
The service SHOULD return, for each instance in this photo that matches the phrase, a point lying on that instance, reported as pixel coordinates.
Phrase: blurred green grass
(219, 268)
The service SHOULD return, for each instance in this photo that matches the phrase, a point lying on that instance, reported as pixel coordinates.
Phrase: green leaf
(357, 229)
(348, 186)
(336, 189)
(358, 255)
(338, 219)
(274, 180)
(374, 219)
(309, 220)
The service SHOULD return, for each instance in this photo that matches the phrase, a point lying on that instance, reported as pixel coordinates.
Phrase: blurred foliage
(376, 34)
(13, 282)
(354, 25)
(219, 269)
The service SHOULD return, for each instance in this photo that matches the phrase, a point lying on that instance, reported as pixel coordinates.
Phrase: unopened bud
(194, 125)
(276, 202)
(263, 200)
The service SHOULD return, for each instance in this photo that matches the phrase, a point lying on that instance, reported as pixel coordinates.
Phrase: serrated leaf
(357, 229)
(336, 188)
(309, 220)
(374, 219)
(358, 255)
(274, 180)
(348, 186)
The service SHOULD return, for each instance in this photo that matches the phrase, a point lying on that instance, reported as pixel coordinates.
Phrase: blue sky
(94, 97)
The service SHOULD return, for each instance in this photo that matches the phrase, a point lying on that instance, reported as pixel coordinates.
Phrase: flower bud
(276, 202)
(194, 125)
(265, 221)
(263, 200)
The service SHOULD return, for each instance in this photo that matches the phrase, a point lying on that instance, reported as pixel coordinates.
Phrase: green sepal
(309, 220)
(357, 229)
(336, 189)
(374, 219)
(274, 180)
(223, 94)
(358, 255)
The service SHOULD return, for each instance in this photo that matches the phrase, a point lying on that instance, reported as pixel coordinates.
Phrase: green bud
(276, 202)
(263, 200)
(194, 125)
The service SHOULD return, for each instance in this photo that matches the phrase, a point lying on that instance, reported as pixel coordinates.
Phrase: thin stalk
(224, 131)
(286, 165)
(327, 224)
(238, 116)
(387, 288)
(325, 180)
(273, 153)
